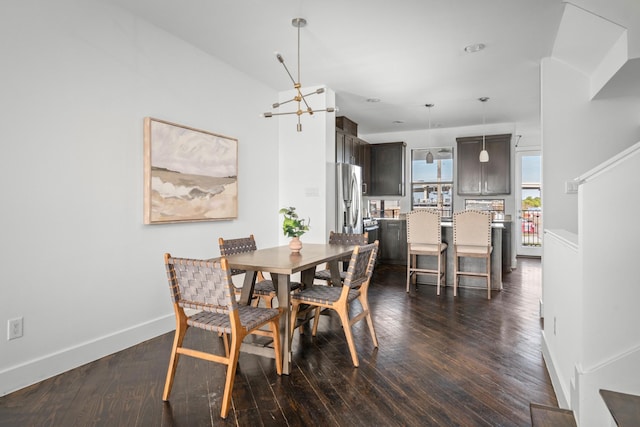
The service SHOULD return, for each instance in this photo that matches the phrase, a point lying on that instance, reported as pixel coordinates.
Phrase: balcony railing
(531, 227)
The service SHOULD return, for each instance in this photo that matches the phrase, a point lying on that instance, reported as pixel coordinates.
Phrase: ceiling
(405, 53)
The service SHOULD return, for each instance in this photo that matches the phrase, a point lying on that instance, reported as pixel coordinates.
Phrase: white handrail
(608, 164)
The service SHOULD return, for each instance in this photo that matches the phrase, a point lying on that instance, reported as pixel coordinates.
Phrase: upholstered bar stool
(472, 239)
(424, 238)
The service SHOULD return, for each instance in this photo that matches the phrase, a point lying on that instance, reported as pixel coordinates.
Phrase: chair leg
(268, 301)
(225, 340)
(231, 374)
(408, 271)
(293, 317)
(181, 330)
(489, 276)
(455, 274)
(364, 302)
(316, 321)
(442, 275)
(344, 317)
(438, 273)
(275, 330)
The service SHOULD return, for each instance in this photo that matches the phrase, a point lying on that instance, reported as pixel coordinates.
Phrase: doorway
(529, 221)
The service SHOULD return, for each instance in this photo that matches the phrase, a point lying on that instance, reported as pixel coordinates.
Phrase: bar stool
(424, 238)
(472, 239)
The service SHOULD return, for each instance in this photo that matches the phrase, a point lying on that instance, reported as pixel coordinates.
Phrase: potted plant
(293, 227)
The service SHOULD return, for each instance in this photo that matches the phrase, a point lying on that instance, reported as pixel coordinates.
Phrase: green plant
(291, 225)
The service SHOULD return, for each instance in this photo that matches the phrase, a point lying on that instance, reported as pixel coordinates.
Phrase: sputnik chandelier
(299, 97)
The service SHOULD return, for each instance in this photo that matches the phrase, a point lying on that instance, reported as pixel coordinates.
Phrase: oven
(371, 226)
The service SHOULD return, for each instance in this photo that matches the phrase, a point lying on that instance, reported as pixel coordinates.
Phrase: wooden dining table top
(280, 259)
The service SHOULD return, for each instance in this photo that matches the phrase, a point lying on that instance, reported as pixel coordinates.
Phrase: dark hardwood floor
(442, 361)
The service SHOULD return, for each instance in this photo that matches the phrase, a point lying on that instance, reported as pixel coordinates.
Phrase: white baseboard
(561, 394)
(47, 366)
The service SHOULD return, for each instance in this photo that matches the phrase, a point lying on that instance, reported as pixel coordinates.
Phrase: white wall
(578, 133)
(610, 287)
(562, 310)
(78, 77)
(590, 304)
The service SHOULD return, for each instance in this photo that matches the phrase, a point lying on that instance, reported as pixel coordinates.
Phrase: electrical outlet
(555, 325)
(14, 328)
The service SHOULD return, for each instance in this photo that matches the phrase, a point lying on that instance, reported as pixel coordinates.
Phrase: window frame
(439, 185)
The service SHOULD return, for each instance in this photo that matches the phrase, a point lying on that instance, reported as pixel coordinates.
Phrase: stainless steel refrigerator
(349, 195)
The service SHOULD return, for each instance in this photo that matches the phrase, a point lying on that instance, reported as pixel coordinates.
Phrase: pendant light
(429, 154)
(484, 154)
(299, 97)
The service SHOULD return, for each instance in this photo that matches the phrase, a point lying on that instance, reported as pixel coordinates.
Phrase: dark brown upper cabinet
(387, 169)
(484, 179)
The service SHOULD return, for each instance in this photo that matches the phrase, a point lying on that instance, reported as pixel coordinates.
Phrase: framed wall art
(189, 174)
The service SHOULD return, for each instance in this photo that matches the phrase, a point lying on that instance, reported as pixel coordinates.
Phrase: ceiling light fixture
(298, 97)
(484, 154)
(429, 153)
(472, 48)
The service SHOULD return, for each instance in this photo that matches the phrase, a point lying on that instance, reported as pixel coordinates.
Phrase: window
(432, 182)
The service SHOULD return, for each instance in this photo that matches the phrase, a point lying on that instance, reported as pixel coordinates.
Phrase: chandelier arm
(303, 99)
(284, 102)
(288, 72)
(284, 114)
(317, 91)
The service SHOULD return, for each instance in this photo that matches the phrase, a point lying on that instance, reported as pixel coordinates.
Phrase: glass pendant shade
(429, 157)
(484, 156)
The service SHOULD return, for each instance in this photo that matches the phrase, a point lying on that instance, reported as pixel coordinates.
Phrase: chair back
(472, 228)
(348, 238)
(201, 285)
(424, 226)
(361, 265)
(237, 246)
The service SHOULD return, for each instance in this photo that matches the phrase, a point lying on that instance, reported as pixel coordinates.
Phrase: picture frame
(190, 175)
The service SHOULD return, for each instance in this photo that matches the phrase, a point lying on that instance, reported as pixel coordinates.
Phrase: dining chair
(341, 239)
(263, 288)
(424, 238)
(338, 298)
(472, 239)
(205, 285)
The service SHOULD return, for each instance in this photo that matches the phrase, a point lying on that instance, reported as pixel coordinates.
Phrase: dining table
(280, 262)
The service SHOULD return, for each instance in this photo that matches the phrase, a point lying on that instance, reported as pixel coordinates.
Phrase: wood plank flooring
(442, 361)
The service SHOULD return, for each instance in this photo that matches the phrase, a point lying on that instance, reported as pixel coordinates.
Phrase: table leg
(307, 276)
(247, 287)
(334, 268)
(282, 281)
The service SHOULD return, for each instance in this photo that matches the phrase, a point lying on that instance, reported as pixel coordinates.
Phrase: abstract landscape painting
(189, 174)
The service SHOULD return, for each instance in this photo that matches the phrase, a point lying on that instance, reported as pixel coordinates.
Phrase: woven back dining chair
(338, 298)
(349, 239)
(264, 288)
(206, 286)
(424, 238)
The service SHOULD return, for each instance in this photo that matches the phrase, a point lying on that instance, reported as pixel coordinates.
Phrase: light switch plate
(571, 187)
